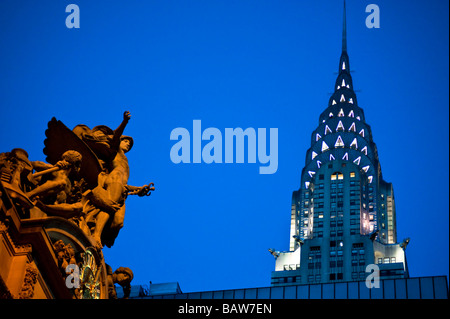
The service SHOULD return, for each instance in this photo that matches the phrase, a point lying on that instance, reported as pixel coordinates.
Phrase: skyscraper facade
(343, 214)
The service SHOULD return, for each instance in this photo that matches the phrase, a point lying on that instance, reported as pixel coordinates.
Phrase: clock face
(90, 276)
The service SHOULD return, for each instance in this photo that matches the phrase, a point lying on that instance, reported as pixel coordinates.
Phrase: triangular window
(351, 114)
(314, 154)
(343, 65)
(356, 161)
(306, 185)
(330, 115)
(324, 146)
(352, 127)
(345, 157)
(354, 143)
(332, 157)
(342, 98)
(319, 163)
(318, 137)
(364, 150)
(350, 100)
(341, 113)
(366, 168)
(333, 103)
(311, 173)
(358, 118)
(343, 82)
(361, 132)
(327, 130)
(339, 142)
(370, 179)
(340, 126)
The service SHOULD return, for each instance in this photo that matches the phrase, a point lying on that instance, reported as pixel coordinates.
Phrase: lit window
(352, 174)
(332, 157)
(306, 184)
(351, 114)
(335, 176)
(318, 137)
(361, 132)
(311, 173)
(341, 113)
(327, 130)
(324, 146)
(356, 161)
(330, 115)
(352, 127)
(354, 143)
(345, 157)
(342, 98)
(351, 99)
(364, 150)
(370, 179)
(318, 164)
(314, 154)
(358, 118)
(339, 142)
(333, 103)
(366, 168)
(343, 65)
(343, 82)
(340, 126)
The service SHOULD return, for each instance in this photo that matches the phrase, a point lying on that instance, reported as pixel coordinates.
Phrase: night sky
(249, 64)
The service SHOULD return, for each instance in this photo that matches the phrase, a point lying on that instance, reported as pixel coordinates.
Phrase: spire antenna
(344, 32)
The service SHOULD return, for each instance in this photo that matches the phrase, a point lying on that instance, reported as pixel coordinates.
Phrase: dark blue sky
(249, 63)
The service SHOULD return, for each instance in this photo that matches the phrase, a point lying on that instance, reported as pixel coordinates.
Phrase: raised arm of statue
(115, 143)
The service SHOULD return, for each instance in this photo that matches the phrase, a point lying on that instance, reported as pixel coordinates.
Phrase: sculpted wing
(61, 139)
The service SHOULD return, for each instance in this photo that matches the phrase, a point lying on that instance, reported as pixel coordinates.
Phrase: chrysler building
(343, 214)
